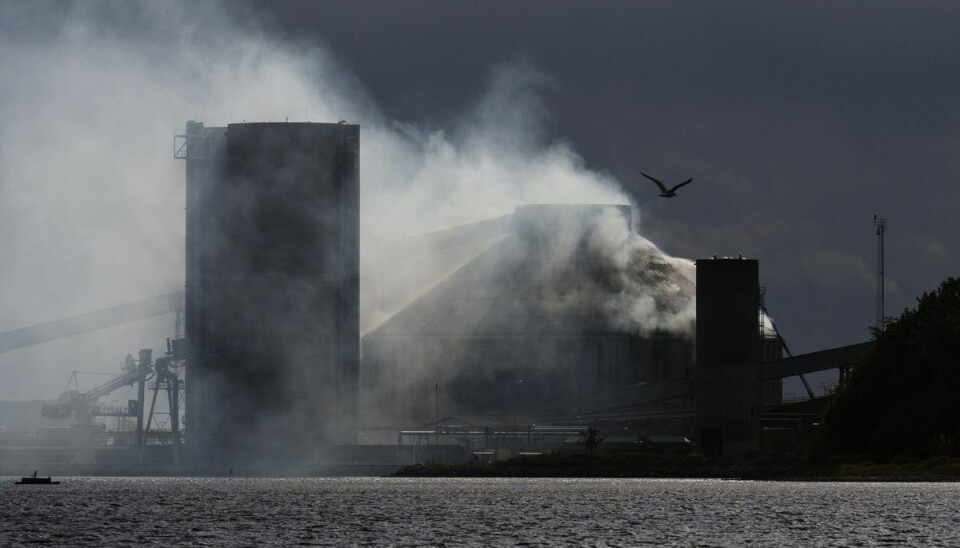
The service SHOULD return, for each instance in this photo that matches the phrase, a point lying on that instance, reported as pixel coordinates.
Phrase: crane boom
(119, 382)
(79, 403)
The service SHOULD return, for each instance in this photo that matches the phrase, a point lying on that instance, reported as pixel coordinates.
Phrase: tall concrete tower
(728, 356)
(272, 289)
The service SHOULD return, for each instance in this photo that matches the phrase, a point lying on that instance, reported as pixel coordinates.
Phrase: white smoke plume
(654, 291)
(91, 199)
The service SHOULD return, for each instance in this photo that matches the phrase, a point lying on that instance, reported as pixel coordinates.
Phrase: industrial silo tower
(272, 288)
(728, 355)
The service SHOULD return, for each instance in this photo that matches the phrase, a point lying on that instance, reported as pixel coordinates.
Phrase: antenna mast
(881, 226)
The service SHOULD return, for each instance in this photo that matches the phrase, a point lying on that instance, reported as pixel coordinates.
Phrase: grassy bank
(935, 469)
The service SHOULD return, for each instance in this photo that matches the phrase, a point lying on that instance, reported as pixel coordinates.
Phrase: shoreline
(938, 470)
(818, 478)
(558, 465)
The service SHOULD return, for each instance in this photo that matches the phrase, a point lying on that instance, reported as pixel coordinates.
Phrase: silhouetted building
(271, 288)
(522, 328)
(728, 355)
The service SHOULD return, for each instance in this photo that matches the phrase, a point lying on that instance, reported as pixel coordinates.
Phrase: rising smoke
(91, 200)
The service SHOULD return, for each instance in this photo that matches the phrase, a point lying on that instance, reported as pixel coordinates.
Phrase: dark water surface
(476, 512)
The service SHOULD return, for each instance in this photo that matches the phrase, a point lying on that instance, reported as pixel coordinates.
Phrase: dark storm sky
(797, 120)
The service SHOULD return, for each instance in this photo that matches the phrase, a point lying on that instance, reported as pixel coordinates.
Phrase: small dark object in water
(34, 480)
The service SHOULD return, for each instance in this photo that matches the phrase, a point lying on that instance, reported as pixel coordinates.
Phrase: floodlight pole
(881, 226)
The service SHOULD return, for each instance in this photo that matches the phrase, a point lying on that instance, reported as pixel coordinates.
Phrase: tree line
(902, 398)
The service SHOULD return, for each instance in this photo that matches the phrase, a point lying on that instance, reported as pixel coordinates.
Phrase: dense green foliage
(902, 399)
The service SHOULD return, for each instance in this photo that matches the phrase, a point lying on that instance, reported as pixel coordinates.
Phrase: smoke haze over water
(91, 200)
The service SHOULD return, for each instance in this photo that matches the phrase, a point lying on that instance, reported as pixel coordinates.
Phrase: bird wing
(663, 188)
(687, 182)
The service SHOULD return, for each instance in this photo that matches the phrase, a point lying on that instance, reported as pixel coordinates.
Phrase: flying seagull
(664, 191)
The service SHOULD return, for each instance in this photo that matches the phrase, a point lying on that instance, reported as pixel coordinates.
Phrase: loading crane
(167, 379)
(82, 405)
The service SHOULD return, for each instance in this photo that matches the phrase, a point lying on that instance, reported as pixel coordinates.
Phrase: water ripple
(476, 512)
